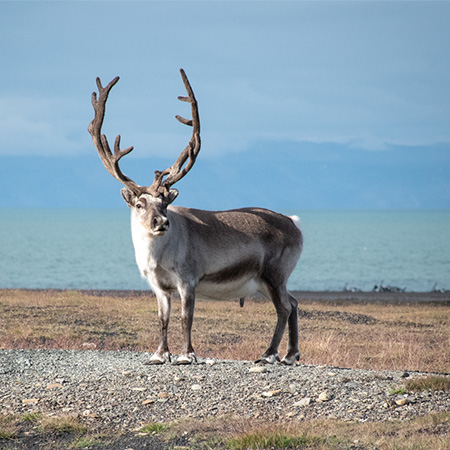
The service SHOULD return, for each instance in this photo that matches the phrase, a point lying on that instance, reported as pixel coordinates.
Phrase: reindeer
(210, 254)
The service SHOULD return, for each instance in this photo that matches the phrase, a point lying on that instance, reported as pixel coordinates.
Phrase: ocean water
(92, 249)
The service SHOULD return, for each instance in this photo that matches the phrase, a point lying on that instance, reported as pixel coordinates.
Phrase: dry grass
(431, 382)
(422, 433)
(370, 336)
(62, 424)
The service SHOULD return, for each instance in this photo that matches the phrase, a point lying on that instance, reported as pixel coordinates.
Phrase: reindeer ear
(128, 196)
(173, 194)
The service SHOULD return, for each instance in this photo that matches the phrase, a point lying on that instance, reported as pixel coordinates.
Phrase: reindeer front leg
(187, 295)
(162, 354)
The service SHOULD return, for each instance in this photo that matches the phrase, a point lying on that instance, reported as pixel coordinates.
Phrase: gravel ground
(116, 389)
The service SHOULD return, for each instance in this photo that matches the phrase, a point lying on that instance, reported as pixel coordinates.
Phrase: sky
(303, 105)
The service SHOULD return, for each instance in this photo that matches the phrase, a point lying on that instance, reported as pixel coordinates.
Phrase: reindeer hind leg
(293, 353)
(283, 307)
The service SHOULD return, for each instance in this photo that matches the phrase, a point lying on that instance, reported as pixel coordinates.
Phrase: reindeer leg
(293, 353)
(282, 305)
(187, 316)
(162, 354)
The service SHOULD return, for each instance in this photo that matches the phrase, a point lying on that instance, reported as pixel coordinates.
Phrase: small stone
(271, 393)
(303, 402)
(148, 401)
(199, 377)
(257, 369)
(164, 395)
(139, 389)
(405, 374)
(401, 401)
(324, 396)
(196, 387)
(30, 401)
(54, 386)
(210, 362)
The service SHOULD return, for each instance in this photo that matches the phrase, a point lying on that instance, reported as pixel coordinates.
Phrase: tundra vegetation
(413, 337)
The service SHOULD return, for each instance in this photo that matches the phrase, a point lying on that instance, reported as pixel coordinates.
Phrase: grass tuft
(398, 391)
(85, 442)
(62, 424)
(9, 428)
(263, 440)
(154, 428)
(430, 383)
(31, 417)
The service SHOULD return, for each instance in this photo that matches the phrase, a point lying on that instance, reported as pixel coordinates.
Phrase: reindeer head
(148, 203)
(149, 211)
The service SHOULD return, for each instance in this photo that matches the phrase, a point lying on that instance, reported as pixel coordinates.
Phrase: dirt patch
(352, 318)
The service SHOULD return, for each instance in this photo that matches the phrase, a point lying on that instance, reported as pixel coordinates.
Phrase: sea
(343, 250)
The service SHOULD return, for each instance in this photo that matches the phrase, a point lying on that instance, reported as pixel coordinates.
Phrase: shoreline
(336, 297)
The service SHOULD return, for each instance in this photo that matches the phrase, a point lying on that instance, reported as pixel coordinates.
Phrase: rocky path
(116, 389)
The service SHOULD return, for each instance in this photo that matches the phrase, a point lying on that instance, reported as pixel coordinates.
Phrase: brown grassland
(413, 337)
(376, 336)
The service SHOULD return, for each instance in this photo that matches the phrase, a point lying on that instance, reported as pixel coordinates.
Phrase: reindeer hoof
(184, 360)
(157, 359)
(290, 360)
(268, 359)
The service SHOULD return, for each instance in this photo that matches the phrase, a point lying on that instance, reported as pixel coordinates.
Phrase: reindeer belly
(238, 280)
(228, 290)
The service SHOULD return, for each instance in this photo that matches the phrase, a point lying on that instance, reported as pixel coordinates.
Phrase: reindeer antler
(176, 172)
(110, 160)
(160, 185)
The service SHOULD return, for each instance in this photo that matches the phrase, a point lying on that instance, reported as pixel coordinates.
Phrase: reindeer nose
(160, 224)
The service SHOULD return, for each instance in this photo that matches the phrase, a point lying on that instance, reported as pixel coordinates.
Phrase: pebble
(271, 393)
(404, 401)
(257, 369)
(324, 396)
(54, 386)
(303, 402)
(164, 395)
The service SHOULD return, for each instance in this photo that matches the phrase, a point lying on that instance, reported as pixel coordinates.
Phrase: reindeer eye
(138, 206)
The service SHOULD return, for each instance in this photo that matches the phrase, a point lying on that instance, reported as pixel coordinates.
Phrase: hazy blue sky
(303, 104)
